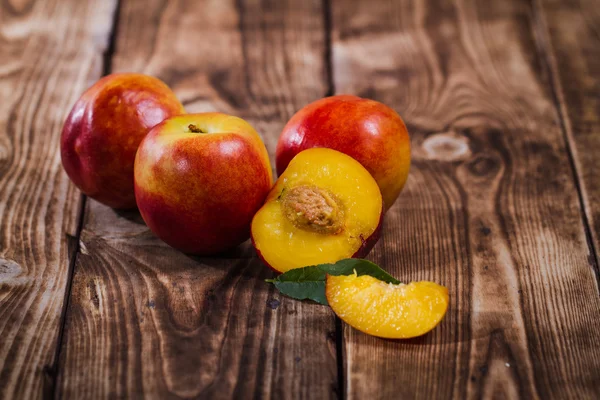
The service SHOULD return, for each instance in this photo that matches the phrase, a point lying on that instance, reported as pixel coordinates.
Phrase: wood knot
(484, 166)
(447, 146)
(9, 269)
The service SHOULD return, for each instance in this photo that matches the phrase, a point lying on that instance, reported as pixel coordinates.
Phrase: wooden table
(502, 205)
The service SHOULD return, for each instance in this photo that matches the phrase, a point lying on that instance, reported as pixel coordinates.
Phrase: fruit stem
(194, 129)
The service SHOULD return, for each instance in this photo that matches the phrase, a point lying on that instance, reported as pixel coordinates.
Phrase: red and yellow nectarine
(104, 129)
(199, 179)
(368, 131)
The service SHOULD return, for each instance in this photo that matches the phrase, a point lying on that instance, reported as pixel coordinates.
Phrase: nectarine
(199, 180)
(323, 208)
(104, 129)
(385, 309)
(368, 131)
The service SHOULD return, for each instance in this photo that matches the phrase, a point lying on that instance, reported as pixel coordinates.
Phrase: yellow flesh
(284, 246)
(386, 310)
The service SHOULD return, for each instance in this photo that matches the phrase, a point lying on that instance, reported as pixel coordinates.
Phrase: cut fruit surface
(386, 310)
(325, 207)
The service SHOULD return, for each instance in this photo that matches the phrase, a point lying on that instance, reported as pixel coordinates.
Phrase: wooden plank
(49, 52)
(490, 209)
(147, 321)
(571, 31)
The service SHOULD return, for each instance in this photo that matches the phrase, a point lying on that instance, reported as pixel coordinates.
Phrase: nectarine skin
(371, 241)
(262, 258)
(104, 129)
(198, 192)
(368, 131)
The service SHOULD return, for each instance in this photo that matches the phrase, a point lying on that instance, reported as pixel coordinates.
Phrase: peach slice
(384, 309)
(325, 207)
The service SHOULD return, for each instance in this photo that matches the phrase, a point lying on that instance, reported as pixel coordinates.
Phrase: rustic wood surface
(573, 46)
(201, 327)
(50, 51)
(501, 206)
(491, 209)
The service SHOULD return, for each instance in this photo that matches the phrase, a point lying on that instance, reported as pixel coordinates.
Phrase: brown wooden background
(502, 99)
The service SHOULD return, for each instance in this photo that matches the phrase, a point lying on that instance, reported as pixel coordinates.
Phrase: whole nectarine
(199, 180)
(104, 129)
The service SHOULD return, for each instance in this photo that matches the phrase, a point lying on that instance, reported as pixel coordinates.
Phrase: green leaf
(302, 283)
(309, 282)
(362, 267)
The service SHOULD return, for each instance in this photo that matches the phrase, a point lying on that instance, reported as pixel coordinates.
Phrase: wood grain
(490, 210)
(49, 52)
(147, 321)
(571, 30)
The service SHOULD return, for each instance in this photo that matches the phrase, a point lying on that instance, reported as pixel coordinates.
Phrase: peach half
(325, 207)
(384, 309)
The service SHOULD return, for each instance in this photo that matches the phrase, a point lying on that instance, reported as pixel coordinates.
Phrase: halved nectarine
(325, 207)
(384, 309)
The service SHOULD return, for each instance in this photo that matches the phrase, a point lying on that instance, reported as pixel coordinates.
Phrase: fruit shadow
(241, 260)
(131, 215)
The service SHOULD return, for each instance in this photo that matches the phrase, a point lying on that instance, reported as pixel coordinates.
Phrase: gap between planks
(339, 325)
(547, 59)
(51, 372)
